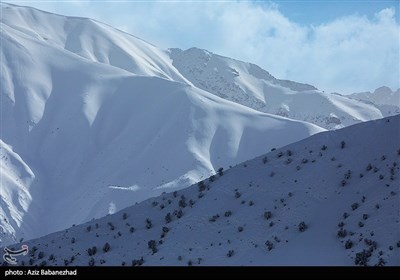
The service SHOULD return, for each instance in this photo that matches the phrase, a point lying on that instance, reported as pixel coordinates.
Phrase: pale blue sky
(337, 45)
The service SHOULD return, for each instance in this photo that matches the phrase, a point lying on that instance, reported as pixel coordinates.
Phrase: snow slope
(384, 98)
(90, 137)
(343, 184)
(252, 86)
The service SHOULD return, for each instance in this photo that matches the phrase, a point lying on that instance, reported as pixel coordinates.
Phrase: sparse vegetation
(202, 186)
(237, 194)
(111, 225)
(220, 171)
(124, 216)
(302, 226)
(228, 213)
(348, 244)
(168, 218)
(269, 245)
(152, 245)
(230, 253)
(182, 202)
(342, 233)
(362, 258)
(106, 247)
(354, 206)
(149, 224)
(267, 215)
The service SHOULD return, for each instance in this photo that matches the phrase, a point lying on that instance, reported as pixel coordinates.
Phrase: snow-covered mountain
(94, 120)
(331, 199)
(252, 86)
(381, 96)
(384, 98)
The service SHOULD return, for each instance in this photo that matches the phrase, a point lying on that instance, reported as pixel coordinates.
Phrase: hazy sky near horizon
(338, 45)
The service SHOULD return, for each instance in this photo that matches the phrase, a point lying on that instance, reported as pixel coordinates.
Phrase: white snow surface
(252, 86)
(94, 120)
(387, 100)
(225, 223)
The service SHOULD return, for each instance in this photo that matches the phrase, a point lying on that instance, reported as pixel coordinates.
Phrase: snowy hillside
(81, 139)
(331, 199)
(252, 86)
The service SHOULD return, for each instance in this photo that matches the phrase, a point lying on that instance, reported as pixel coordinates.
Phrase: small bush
(89, 228)
(365, 216)
(220, 171)
(237, 194)
(182, 202)
(91, 262)
(228, 213)
(348, 244)
(302, 226)
(272, 174)
(40, 255)
(271, 224)
(212, 178)
(267, 215)
(230, 253)
(354, 206)
(342, 233)
(152, 245)
(179, 214)
(149, 224)
(202, 186)
(304, 160)
(280, 154)
(265, 160)
(106, 247)
(342, 144)
(251, 203)
(269, 245)
(73, 240)
(111, 225)
(214, 218)
(343, 183)
(369, 167)
(138, 262)
(360, 224)
(362, 258)
(240, 229)
(381, 177)
(324, 147)
(168, 218)
(124, 216)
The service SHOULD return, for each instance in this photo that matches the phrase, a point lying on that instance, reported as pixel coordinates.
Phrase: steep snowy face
(90, 138)
(252, 86)
(331, 199)
(92, 40)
